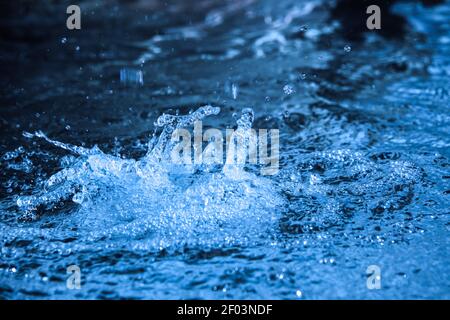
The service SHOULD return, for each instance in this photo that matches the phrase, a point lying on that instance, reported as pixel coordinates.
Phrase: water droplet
(132, 76)
(347, 48)
(288, 89)
(234, 90)
(63, 40)
(298, 293)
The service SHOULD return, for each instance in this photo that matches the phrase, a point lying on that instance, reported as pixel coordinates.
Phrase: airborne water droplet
(234, 90)
(288, 89)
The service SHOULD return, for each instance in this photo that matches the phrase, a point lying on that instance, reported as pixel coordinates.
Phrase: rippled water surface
(364, 179)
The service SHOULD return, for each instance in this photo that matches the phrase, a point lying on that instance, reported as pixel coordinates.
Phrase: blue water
(364, 173)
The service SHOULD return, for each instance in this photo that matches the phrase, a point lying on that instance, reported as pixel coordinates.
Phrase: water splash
(150, 199)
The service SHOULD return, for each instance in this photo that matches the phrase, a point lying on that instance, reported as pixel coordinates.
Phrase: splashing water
(152, 200)
(363, 168)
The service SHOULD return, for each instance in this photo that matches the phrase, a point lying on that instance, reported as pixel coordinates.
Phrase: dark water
(364, 120)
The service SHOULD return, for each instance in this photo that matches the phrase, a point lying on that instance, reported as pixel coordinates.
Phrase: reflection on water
(364, 151)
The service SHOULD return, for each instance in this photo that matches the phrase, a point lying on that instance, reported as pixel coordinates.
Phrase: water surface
(364, 120)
